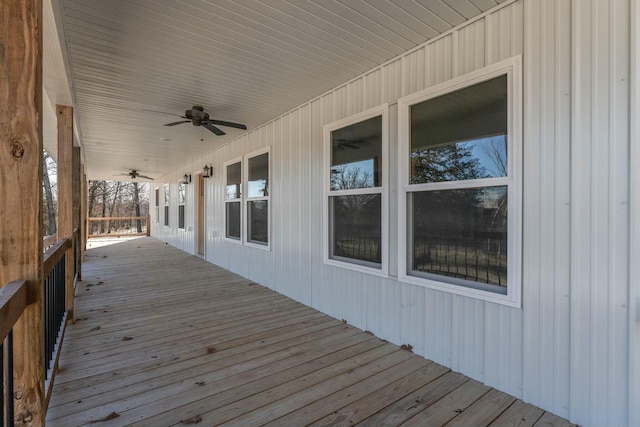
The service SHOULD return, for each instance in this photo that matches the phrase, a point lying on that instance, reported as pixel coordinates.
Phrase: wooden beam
(21, 193)
(65, 195)
(77, 208)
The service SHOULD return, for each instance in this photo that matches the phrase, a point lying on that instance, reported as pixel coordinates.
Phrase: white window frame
(512, 68)
(383, 190)
(157, 206)
(238, 199)
(167, 202)
(183, 186)
(246, 199)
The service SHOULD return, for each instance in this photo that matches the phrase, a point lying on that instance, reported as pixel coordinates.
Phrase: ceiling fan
(198, 117)
(135, 174)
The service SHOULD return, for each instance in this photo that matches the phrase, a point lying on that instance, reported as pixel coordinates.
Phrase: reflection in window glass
(181, 193)
(233, 220)
(258, 221)
(461, 234)
(356, 227)
(355, 155)
(461, 135)
(234, 180)
(258, 180)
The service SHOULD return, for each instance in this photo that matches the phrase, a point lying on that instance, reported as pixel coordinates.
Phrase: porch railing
(119, 226)
(13, 301)
(55, 313)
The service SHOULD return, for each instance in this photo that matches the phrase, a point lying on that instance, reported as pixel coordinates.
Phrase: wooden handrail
(54, 254)
(13, 301)
(117, 218)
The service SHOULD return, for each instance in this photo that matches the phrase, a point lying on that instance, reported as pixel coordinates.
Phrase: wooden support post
(65, 195)
(76, 196)
(83, 214)
(21, 194)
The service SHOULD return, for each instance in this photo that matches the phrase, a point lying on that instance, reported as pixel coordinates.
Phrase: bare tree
(48, 166)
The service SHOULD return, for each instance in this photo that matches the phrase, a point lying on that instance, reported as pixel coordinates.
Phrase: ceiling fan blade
(228, 124)
(178, 123)
(145, 177)
(213, 129)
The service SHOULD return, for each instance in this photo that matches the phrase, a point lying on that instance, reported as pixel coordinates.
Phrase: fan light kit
(197, 117)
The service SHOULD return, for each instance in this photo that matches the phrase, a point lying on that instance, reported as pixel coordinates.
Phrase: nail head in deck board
(445, 409)
(403, 409)
(484, 410)
(382, 397)
(519, 414)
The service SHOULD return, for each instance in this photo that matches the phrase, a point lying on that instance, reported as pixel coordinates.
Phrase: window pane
(166, 216)
(258, 183)
(258, 221)
(157, 197)
(181, 193)
(233, 220)
(356, 227)
(461, 234)
(234, 178)
(356, 151)
(166, 194)
(460, 135)
(181, 216)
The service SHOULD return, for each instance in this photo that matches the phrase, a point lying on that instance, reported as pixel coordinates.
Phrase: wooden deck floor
(163, 338)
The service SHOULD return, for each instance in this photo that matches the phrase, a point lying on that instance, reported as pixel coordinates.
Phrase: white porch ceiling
(244, 61)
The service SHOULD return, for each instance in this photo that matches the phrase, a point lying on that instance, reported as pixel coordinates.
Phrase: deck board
(163, 338)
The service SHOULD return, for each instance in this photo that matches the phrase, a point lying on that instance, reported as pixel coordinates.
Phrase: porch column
(21, 193)
(65, 195)
(77, 215)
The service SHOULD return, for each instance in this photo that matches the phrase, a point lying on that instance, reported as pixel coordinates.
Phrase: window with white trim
(157, 206)
(182, 188)
(355, 217)
(233, 200)
(460, 185)
(257, 198)
(166, 205)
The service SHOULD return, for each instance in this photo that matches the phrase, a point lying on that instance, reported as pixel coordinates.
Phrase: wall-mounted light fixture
(207, 171)
(186, 179)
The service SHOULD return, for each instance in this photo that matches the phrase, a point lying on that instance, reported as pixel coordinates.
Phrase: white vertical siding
(634, 226)
(599, 217)
(547, 193)
(572, 345)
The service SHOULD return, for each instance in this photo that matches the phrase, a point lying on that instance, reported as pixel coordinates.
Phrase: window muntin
(233, 202)
(355, 192)
(257, 198)
(182, 188)
(460, 201)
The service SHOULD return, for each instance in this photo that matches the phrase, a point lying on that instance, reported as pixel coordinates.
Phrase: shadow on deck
(163, 338)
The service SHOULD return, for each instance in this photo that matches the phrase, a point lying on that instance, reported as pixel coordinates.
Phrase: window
(157, 206)
(182, 187)
(166, 205)
(355, 220)
(257, 198)
(233, 197)
(460, 185)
